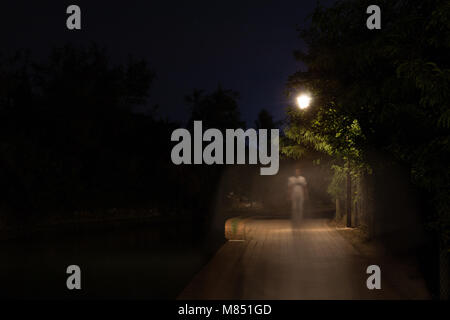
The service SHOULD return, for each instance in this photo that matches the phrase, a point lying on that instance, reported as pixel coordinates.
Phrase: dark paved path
(278, 262)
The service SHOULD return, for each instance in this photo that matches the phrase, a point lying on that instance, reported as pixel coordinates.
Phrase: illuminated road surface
(277, 262)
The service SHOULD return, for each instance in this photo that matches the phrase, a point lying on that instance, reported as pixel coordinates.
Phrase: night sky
(243, 45)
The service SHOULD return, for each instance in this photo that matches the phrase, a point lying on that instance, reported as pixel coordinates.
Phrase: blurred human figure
(297, 190)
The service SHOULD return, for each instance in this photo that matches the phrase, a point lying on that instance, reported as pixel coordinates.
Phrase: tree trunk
(368, 204)
(338, 209)
(349, 197)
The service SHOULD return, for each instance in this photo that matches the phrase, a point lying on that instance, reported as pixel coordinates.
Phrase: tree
(381, 91)
(66, 127)
(217, 110)
(265, 120)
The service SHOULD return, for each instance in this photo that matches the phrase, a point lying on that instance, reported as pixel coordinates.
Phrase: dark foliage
(70, 140)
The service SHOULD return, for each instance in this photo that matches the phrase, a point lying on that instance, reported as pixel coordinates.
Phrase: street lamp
(303, 101)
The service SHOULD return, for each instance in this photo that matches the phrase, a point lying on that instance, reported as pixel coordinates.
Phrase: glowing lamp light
(303, 101)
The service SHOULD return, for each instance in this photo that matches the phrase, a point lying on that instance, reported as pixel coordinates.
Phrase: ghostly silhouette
(297, 190)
